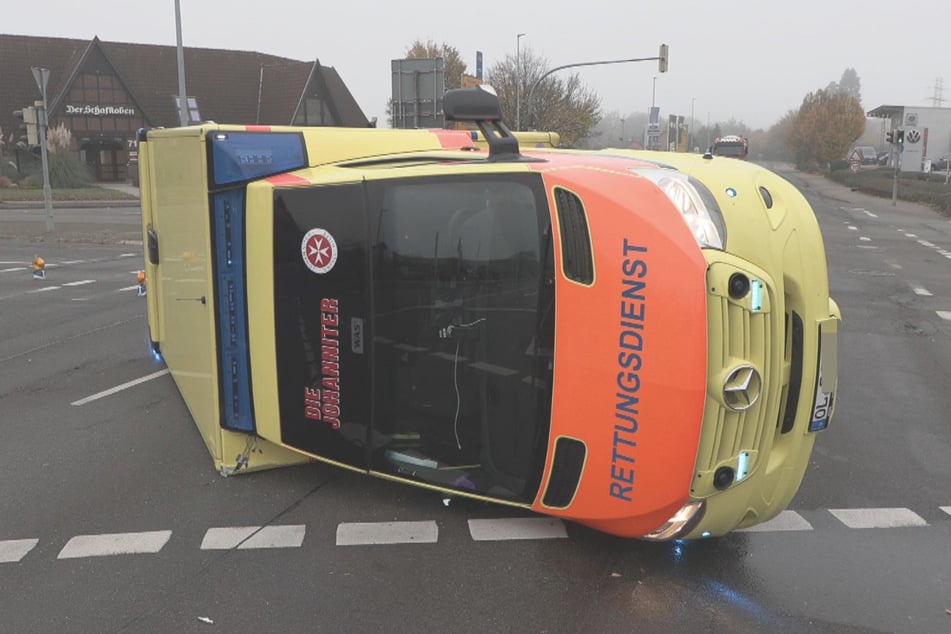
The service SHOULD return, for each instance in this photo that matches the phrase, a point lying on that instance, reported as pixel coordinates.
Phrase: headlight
(696, 205)
(680, 523)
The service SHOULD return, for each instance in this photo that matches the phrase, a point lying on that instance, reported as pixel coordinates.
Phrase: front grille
(576, 259)
(738, 336)
(566, 467)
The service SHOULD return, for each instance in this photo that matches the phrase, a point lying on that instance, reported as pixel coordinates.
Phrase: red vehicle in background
(732, 145)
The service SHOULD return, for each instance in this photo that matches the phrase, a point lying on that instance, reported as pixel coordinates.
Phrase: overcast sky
(744, 59)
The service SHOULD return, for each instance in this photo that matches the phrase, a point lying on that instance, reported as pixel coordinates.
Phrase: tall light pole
(518, 82)
(182, 106)
(690, 133)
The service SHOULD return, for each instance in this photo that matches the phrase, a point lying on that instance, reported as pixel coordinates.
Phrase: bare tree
(551, 103)
(453, 65)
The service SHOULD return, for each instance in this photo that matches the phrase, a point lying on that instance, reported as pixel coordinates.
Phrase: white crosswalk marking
(248, 537)
(878, 517)
(114, 544)
(785, 521)
(944, 314)
(13, 550)
(361, 534)
(517, 528)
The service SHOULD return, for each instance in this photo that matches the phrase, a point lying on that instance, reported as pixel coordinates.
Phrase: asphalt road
(112, 517)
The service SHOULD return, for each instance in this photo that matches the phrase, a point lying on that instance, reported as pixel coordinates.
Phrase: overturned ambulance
(640, 342)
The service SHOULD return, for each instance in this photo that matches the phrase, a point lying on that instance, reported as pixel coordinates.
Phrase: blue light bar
(234, 363)
(244, 156)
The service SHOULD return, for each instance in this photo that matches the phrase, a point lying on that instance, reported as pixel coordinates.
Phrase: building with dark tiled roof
(104, 91)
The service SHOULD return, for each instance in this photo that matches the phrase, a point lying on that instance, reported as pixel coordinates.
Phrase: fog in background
(742, 60)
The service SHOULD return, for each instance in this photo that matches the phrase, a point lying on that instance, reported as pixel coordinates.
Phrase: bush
(913, 187)
(5, 182)
(67, 171)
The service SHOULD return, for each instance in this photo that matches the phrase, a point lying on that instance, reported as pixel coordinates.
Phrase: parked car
(941, 164)
(868, 153)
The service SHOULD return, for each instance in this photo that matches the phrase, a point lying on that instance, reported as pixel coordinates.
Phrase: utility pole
(182, 105)
(518, 83)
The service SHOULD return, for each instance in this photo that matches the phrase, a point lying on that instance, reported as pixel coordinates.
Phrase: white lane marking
(119, 388)
(73, 261)
(128, 288)
(127, 255)
(493, 530)
(910, 235)
(853, 228)
(785, 521)
(114, 544)
(944, 314)
(44, 289)
(866, 246)
(864, 239)
(11, 261)
(925, 243)
(946, 509)
(248, 537)
(13, 550)
(921, 290)
(894, 266)
(870, 214)
(79, 283)
(359, 534)
(18, 268)
(878, 518)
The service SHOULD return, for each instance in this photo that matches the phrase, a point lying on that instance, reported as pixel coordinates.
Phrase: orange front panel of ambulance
(630, 351)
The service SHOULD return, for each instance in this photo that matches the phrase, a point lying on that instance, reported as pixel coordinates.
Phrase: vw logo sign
(742, 388)
(913, 136)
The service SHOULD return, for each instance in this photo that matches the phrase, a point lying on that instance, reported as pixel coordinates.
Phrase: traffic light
(29, 135)
(899, 137)
(662, 59)
(890, 138)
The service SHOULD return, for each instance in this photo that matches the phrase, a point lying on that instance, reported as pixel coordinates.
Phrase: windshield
(463, 314)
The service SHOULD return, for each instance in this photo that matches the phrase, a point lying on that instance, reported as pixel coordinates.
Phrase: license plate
(826, 377)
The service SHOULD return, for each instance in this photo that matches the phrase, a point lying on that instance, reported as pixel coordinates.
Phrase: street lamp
(182, 106)
(518, 81)
(690, 130)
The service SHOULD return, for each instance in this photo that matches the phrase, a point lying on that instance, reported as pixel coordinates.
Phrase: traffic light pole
(662, 59)
(42, 75)
(47, 191)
